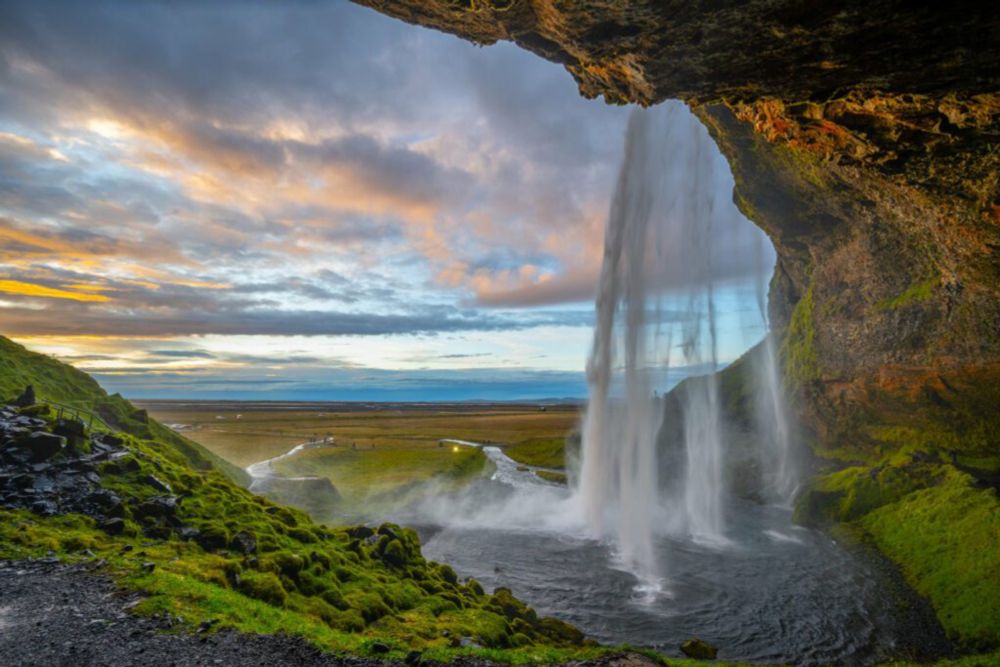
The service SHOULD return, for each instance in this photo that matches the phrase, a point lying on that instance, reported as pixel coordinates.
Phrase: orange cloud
(30, 289)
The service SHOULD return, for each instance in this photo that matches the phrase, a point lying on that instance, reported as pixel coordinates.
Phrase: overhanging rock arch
(865, 140)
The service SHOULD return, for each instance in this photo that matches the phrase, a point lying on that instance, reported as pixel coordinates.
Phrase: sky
(302, 201)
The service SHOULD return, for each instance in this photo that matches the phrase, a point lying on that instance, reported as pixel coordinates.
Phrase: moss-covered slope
(60, 383)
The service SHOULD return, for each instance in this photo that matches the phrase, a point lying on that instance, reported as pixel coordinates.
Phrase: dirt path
(54, 615)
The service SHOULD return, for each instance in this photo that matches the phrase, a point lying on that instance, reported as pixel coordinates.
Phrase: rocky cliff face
(865, 140)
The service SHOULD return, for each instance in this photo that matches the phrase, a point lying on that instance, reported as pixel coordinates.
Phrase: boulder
(26, 398)
(104, 502)
(70, 428)
(699, 649)
(114, 526)
(42, 445)
(188, 533)
(157, 506)
(243, 542)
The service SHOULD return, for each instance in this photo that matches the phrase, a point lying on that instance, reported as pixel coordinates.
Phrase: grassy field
(380, 451)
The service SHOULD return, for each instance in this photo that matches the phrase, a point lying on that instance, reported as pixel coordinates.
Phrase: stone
(104, 502)
(379, 648)
(45, 507)
(115, 526)
(243, 542)
(188, 533)
(699, 649)
(70, 428)
(108, 440)
(42, 445)
(27, 397)
(360, 532)
(157, 483)
(157, 506)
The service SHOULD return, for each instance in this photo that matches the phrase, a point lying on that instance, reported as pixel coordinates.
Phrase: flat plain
(374, 449)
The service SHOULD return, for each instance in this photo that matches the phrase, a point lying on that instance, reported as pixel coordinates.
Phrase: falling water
(670, 208)
(777, 456)
(618, 472)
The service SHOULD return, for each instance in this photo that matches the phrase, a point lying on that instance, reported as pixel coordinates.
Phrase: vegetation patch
(915, 293)
(550, 476)
(935, 521)
(946, 539)
(62, 384)
(540, 452)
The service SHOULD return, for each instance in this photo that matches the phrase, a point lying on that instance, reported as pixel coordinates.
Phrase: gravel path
(56, 615)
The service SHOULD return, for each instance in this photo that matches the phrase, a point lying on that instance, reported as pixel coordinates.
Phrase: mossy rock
(264, 586)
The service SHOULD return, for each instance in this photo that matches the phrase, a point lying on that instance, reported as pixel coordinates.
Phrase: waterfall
(618, 472)
(673, 240)
(777, 457)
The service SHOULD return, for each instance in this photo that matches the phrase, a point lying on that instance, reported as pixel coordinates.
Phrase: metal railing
(88, 417)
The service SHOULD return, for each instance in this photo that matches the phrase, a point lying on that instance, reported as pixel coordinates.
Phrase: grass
(339, 588)
(540, 452)
(263, 434)
(61, 383)
(360, 474)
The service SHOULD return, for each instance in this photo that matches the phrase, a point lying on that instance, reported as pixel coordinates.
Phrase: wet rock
(108, 440)
(385, 529)
(211, 541)
(26, 398)
(148, 567)
(207, 625)
(699, 649)
(70, 428)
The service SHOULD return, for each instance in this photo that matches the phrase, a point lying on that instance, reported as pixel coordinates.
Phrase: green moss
(922, 291)
(851, 493)
(798, 350)
(946, 539)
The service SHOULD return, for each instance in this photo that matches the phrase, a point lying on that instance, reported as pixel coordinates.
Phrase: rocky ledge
(55, 467)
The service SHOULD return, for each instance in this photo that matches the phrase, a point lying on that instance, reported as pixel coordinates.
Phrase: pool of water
(774, 592)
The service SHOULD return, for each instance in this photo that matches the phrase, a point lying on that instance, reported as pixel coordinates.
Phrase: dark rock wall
(865, 140)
